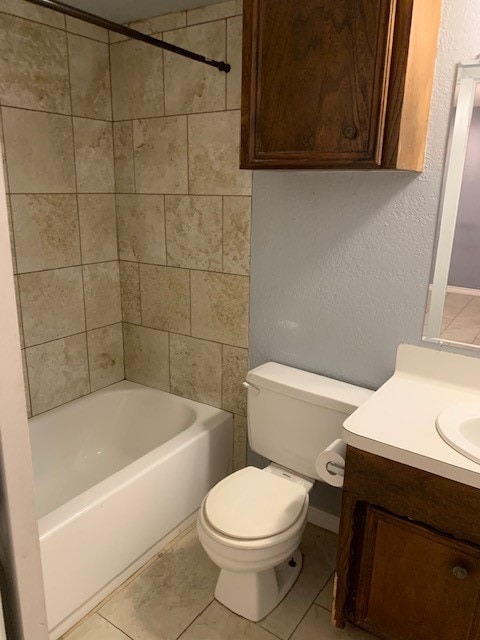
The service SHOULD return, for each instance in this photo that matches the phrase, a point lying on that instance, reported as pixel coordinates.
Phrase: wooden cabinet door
(315, 75)
(415, 584)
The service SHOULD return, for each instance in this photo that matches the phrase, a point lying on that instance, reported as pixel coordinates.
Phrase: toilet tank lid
(310, 387)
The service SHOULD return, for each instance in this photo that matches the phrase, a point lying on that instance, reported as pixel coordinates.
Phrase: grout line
(113, 625)
(175, 115)
(43, 24)
(126, 193)
(195, 619)
(71, 335)
(68, 266)
(57, 113)
(172, 266)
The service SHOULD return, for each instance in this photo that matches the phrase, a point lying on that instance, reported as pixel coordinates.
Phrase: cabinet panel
(315, 81)
(415, 584)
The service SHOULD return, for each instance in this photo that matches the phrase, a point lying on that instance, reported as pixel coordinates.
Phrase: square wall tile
(82, 28)
(89, 78)
(202, 88)
(141, 228)
(161, 23)
(220, 307)
(98, 227)
(234, 58)
(57, 372)
(214, 155)
(137, 80)
(235, 367)
(46, 231)
(130, 290)
(52, 304)
(123, 157)
(160, 154)
(194, 231)
(236, 234)
(93, 155)
(102, 294)
(196, 369)
(165, 296)
(19, 311)
(33, 66)
(105, 356)
(39, 151)
(214, 12)
(146, 356)
(239, 442)
(31, 12)
(26, 385)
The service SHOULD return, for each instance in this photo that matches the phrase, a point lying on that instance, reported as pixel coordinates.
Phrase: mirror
(453, 307)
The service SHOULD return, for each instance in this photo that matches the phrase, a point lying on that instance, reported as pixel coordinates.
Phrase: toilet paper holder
(335, 469)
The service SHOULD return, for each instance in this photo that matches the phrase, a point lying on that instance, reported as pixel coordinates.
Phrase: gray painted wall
(465, 264)
(341, 260)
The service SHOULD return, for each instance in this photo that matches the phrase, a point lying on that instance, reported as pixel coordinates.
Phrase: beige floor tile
(96, 628)
(202, 89)
(213, 152)
(454, 303)
(194, 231)
(167, 597)
(160, 155)
(165, 298)
(39, 151)
(196, 369)
(93, 155)
(218, 623)
(46, 231)
(137, 80)
(146, 356)
(465, 327)
(325, 596)
(33, 66)
(319, 549)
(89, 78)
(317, 626)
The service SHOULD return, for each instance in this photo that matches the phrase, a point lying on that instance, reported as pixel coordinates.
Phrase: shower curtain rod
(67, 10)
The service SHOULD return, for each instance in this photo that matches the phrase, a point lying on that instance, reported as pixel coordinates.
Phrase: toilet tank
(293, 415)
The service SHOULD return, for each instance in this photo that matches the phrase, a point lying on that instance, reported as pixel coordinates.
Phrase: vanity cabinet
(340, 84)
(408, 565)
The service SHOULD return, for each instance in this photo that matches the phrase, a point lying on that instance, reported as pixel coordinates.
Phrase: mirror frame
(468, 76)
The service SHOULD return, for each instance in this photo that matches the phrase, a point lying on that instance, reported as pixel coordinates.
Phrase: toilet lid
(251, 504)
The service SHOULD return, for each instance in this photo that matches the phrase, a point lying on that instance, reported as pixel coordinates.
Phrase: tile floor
(172, 598)
(461, 318)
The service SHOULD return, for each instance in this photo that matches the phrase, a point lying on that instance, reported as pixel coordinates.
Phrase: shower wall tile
(130, 292)
(202, 88)
(19, 312)
(89, 78)
(52, 304)
(105, 356)
(194, 231)
(93, 156)
(213, 148)
(141, 228)
(236, 234)
(102, 294)
(98, 227)
(160, 155)
(46, 231)
(25, 384)
(235, 367)
(57, 372)
(39, 151)
(146, 356)
(234, 58)
(165, 298)
(123, 157)
(85, 29)
(239, 442)
(22, 9)
(137, 80)
(33, 66)
(159, 24)
(196, 369)
(220, 307)
(214, 12)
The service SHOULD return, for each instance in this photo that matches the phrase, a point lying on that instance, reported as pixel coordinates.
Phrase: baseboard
(462, 290)
(323, 519)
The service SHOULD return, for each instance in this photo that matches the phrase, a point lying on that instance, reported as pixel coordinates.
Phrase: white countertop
(398, 421)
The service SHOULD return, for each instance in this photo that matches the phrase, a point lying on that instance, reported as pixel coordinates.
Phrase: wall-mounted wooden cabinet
(340, 84)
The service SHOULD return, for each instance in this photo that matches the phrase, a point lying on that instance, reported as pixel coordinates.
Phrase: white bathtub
(117, 474)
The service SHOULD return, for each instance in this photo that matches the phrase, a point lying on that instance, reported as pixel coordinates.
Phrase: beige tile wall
(183, 210)
(56, 119)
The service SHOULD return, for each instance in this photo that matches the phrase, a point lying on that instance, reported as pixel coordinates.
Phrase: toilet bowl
(255, 543)
(251, 523)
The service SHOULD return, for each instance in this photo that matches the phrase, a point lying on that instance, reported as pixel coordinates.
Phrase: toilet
(251, 523)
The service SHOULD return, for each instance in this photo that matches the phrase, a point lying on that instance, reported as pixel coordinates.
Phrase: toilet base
(254, 595)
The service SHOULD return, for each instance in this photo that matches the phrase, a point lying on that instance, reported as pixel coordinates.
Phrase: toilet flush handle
(249, 385)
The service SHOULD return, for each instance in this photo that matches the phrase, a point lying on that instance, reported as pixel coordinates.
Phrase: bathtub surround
(58, 143)
(183, 211)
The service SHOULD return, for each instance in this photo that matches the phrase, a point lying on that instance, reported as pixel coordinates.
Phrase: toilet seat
(253, 505)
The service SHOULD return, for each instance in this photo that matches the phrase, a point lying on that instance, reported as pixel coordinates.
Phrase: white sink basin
(459, 426)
